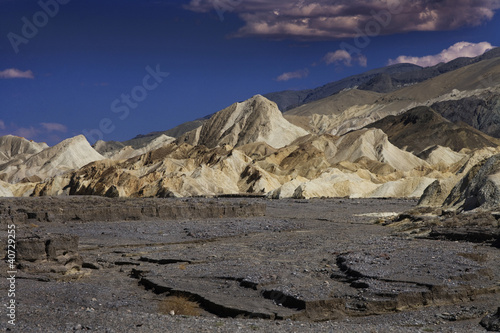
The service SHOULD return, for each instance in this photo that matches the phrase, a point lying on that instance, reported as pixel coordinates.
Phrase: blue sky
(74, 73)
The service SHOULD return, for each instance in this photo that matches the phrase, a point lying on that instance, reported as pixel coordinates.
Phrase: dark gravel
(301, 260)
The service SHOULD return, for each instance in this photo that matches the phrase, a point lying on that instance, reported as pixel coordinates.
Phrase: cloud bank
(302, 73)
(461, 49)
(43, 129)
(342, 57)
(13, 73)
(326, 19)
(54, 127)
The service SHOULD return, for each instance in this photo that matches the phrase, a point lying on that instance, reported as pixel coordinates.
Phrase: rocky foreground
(250, 264)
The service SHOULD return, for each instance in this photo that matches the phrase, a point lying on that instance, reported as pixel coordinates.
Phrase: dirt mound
(439, 156)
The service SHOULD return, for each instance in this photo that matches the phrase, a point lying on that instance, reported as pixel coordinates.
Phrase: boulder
(479, 188)
(45, 248)
(492, 322)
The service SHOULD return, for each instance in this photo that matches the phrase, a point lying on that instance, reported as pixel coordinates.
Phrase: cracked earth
(257, 265)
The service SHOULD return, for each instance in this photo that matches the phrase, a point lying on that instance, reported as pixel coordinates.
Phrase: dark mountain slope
(481, 112)
(422, 127)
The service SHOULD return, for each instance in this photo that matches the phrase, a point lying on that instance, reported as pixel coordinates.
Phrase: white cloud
(45, 130)
(302, 73)
(25, 132)
(363, 61)
(12, 73)
(343, 57)
(461, 49)
(337, 57)
(326, 19)
(54, 127)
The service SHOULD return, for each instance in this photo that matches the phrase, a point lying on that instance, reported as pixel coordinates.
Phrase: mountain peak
(254, 120)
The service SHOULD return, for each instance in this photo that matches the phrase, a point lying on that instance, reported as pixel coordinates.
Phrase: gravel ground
(299, 261)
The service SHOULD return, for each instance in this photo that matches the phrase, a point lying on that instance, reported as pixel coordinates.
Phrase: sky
(113, 69)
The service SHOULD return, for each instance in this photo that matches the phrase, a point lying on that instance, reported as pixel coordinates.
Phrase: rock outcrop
(91, 208)
(479, 188)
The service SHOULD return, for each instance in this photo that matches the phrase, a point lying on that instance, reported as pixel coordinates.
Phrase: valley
(257, 265)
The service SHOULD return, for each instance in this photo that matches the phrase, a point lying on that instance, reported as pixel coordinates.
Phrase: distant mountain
(289, 99)
(356, 143)
(385, 82)
(336, 104)
(381, 80)
(457, 95)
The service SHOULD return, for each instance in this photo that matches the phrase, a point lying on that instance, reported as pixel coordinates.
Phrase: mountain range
(390, 132)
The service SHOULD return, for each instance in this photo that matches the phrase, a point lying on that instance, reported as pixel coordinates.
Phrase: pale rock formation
(442, 157)
(254, 120)
(412, 187)
(335, 183)
(13, 146)
(68, 155)
(127, 152)
(5, 190)
(288, 189)
(374, 145)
